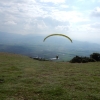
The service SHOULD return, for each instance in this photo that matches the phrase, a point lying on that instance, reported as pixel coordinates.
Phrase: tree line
(93, 58)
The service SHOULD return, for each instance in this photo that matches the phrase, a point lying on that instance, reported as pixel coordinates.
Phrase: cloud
(10, 23)
(41, 25)
(96, 12)
(91, 1)
(50, 16)
(95, 26)
(71, 16)
(64, 6)
(23, 8)
(35, 26)
(86, 32)
(21, 13)
(53, 1)
(62, 28)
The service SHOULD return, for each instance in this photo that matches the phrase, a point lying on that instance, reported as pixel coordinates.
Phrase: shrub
(78, 59)
(95, 56)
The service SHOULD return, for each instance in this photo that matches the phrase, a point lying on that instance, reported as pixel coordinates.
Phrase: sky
(78, 19)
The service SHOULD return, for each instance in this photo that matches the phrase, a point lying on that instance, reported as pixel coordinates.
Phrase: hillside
(22, 78)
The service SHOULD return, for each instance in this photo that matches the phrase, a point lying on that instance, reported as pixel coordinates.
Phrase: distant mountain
(34, 46)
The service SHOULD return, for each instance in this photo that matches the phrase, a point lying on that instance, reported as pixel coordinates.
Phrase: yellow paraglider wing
(58, 35)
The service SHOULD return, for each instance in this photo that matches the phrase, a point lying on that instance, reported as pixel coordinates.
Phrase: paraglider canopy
(57, 35)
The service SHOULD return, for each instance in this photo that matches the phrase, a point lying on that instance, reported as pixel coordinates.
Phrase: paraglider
(57, 57)
(57, 35)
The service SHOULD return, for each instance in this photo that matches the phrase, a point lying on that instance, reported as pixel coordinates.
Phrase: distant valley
(34, 46)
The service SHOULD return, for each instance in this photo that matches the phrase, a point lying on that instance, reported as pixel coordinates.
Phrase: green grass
(22, 78)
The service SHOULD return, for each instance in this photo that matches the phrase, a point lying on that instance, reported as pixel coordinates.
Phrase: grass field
(22, 78)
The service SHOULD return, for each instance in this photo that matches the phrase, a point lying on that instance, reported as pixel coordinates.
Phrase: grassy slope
(22, 78)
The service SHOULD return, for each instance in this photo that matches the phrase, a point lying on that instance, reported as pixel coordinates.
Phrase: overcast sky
(79, 19)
